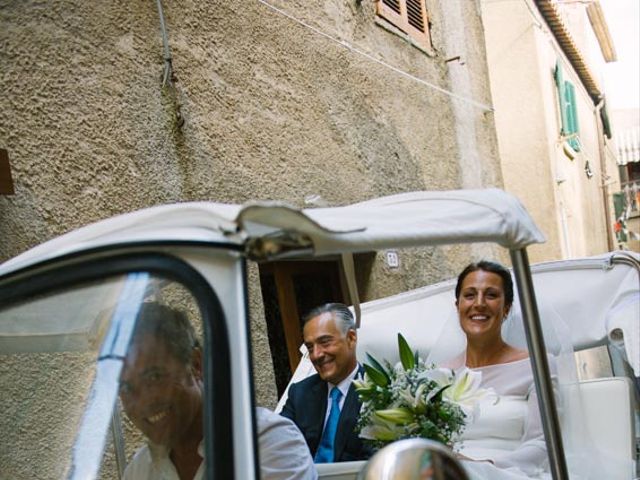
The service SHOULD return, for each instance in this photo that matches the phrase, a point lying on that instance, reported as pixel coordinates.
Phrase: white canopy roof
(597, 298)
(271, 229)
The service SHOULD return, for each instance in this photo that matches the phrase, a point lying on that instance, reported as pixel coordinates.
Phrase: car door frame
(161, 259)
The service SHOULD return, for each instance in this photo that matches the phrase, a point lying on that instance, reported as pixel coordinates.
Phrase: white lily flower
(466, 391)
(406, 397)
(442, 376)
(404, 408)
(417, 401)
(399, 368)
(398, 415)
(363, 384)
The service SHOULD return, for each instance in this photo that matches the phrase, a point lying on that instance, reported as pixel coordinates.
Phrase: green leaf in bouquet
(399, 416)
(407, 356)
(379, 378)
(436, 395)
(378, 366)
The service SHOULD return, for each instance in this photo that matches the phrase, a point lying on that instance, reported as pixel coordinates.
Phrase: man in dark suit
(325, 406)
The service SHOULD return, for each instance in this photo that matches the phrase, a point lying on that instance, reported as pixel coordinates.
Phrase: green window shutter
(572, 115)
(568, 107)
(618, 204)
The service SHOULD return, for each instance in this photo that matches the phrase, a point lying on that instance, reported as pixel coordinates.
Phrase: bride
(505, 440)
(507, 434)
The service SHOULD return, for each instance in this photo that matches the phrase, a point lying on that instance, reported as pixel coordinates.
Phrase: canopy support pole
(539, 364)
(350, 274)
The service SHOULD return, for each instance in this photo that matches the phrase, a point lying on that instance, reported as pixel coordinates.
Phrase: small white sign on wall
(392, 259)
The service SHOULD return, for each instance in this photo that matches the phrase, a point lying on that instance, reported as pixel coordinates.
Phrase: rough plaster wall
(82, 116)
(42, 399)
(268, 105)
(311, 110)
(591, 202)
(271, 110)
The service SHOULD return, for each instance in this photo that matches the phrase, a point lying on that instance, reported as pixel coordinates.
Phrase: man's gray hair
(169, 325)
(341, 313)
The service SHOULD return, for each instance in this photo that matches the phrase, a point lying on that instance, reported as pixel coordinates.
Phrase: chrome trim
(118, 441)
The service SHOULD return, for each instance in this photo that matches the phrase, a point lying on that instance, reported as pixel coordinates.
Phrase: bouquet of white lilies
(413, 399)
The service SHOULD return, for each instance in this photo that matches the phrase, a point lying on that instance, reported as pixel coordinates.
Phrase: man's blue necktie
(325, 449)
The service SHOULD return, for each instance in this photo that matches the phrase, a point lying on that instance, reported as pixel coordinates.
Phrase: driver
(161, 389)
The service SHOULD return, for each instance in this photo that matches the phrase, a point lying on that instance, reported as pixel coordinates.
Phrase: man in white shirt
(161, 388)
(325, 407)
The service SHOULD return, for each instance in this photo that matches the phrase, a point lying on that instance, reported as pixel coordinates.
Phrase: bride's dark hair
(493, 267)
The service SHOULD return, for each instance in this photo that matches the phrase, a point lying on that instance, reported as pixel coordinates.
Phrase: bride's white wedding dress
(508, 432)
(507, 429)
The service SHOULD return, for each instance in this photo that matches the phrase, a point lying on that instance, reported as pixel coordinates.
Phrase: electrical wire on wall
(348, 46)
(168, 76)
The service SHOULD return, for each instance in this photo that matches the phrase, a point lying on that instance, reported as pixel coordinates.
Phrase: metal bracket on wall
(6, 181)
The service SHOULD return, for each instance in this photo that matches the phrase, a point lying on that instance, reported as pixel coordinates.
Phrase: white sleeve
(531, 454)
(283, 452)
(140, 466)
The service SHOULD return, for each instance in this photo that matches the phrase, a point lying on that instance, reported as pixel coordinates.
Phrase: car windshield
(68, 358)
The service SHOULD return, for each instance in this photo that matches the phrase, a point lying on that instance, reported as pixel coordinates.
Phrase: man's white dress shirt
(343, 386)
(284, 454)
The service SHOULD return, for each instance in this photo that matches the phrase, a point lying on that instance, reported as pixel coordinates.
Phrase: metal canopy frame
(539, 365)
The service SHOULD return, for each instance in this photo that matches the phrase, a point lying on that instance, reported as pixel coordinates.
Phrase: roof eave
(550, 13)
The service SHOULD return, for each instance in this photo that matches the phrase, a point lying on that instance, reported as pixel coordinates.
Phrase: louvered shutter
(572, 115)
(568, 108)
(410, 16)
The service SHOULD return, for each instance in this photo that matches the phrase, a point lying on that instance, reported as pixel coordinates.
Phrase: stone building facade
(557, 152)
(309, 102)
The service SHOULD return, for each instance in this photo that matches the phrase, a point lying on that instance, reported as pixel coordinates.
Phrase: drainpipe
(603, 169)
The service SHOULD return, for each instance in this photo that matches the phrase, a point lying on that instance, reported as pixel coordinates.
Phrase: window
(568, 109)
(410, 16)
(6, 182)
(64, 337)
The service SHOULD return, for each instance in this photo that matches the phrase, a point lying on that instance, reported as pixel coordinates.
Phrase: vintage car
(68, 308)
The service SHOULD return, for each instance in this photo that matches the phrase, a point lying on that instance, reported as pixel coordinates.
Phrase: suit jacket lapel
(348, 418)
(317, 411)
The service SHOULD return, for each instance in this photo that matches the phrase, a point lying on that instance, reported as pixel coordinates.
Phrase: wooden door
(289, 290)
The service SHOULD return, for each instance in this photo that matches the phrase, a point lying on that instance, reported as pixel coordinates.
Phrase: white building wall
(566, 204)
(524, 145)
